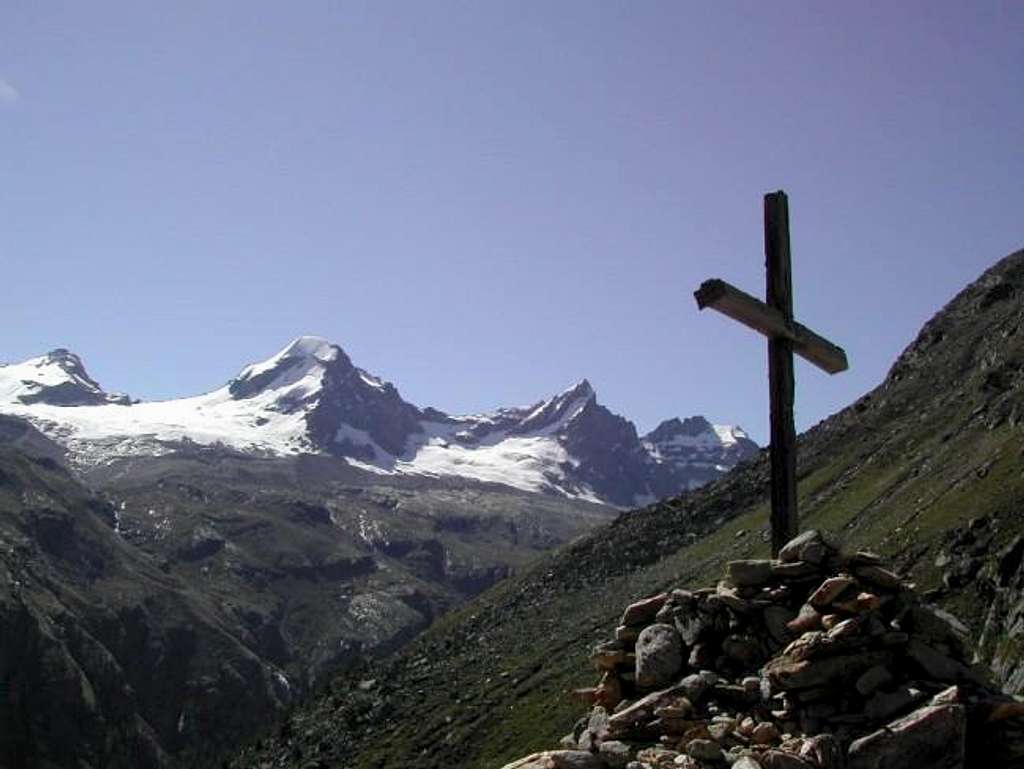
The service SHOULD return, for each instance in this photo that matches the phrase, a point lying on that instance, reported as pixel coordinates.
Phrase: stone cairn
(817, 660)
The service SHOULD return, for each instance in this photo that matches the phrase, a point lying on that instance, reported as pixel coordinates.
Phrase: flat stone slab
(642, 612)
(749, 573)
(932, 736)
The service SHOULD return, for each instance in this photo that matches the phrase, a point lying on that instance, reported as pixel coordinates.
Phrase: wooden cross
(774, 319)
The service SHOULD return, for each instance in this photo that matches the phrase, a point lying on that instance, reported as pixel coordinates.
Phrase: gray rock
(729, 597)
(615, 754)
(938, 666)
(775, 619)
(749, 573)
(872, 679)
(785, 674)
(783, 759)
(932, 736)
(659, 655)
(691, 624)
(607, 655)
(807, 619)
(765, 733)
(596, 731)
(642, 710)
(824, 751)
(935, 626)
(693, 687)
(809, 546)
(643, 612)
(796, 571)
(877, 576)
(744, 649)
(574, 759)
(830, 590)
(746, 762)
(885, 705)
(705, 750)
(702, 655)
(598, 723)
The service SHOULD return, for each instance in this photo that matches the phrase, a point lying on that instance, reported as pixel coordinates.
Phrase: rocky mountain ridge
(311, 399)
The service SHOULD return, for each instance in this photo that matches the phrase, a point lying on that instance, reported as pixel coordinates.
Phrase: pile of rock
(816, 660)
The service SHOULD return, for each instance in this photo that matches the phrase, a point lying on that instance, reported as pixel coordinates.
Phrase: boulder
(809, 546)
(615, 753)
(786, 674)
(659, 655)
(937, 665)
(885, 705)
(932, 736)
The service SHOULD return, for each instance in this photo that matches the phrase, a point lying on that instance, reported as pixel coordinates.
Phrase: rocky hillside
(194, 596)
(310, 399)
(924, 470)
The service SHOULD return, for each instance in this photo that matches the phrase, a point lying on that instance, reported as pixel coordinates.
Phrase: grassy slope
(937, 444)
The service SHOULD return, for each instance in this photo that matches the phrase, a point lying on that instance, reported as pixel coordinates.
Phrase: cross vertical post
(779, 294)
(774, 318)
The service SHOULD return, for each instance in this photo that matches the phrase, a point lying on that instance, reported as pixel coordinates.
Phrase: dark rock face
(99, 667)
(79, 389)
(342, 396)
(378, 411)
(688, 453)
(611, 460)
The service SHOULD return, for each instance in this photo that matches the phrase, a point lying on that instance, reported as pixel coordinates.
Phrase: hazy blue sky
(484, 202)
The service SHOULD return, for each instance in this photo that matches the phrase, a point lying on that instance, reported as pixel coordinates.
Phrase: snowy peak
(296, 371)
(58, 378)
(310, 398)
(553, 414)
(698, 443)
(671, 428)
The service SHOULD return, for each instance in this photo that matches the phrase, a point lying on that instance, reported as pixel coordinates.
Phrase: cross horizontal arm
(751, 312)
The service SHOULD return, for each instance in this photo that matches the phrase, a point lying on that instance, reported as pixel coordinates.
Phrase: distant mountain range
(310, 399)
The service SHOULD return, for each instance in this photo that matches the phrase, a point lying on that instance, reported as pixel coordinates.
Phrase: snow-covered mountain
(310, 398)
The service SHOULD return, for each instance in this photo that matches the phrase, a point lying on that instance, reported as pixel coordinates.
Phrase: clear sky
(487, 201)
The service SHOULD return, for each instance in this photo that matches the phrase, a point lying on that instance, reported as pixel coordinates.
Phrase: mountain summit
(310, 398)
(58, 378)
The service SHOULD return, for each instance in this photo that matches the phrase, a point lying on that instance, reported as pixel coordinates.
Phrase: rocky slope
(311, 399)
(925, 470)
(195, 595)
